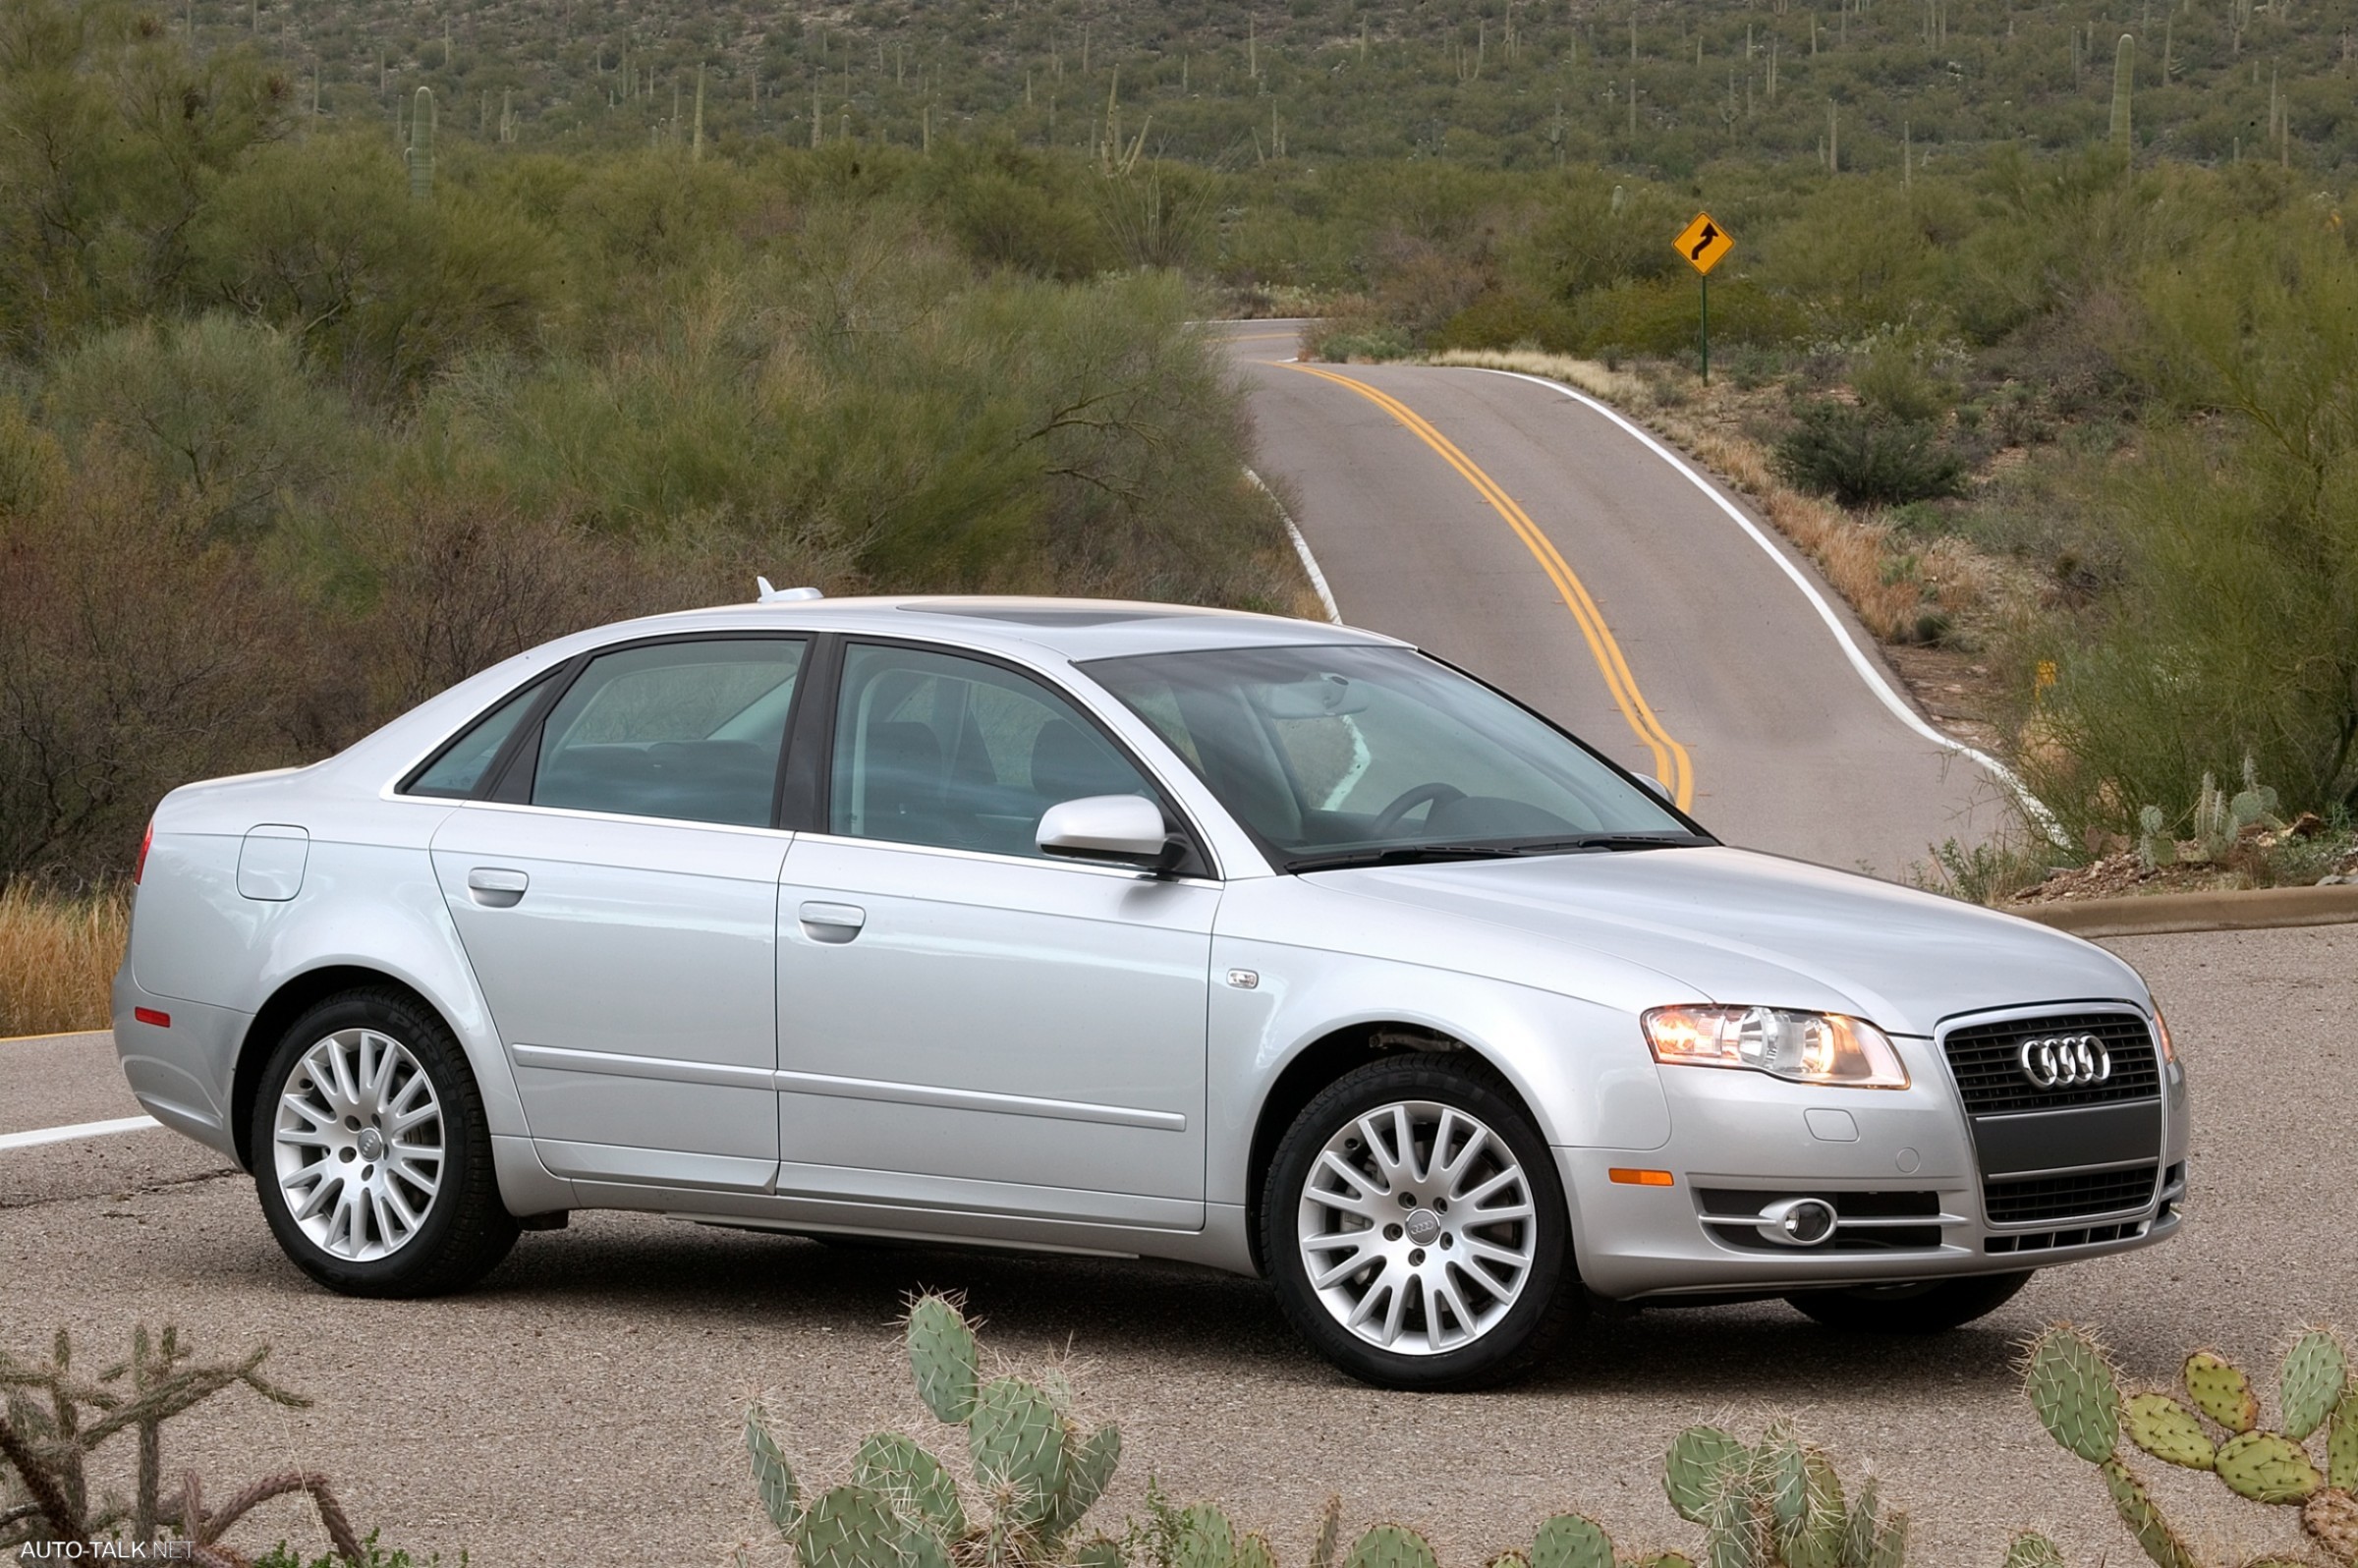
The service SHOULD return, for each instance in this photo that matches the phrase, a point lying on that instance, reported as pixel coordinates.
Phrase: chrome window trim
(1127, 874)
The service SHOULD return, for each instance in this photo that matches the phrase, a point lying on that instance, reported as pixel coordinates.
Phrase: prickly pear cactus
(2341, 1447)
(1205, 1540)
(1254, 1552)
(1016, 1438)
(1390, 1546)
(1570, 1541)
(1330, 1529)
(898, 1468)
(2137, 1511)
(943, 1355)
(2316, 1372)
(1698, 1469)
(774, 1478)
(2030, 1549)
(2221, 1392)
(2332, 1517)
(2168, 1431)
(2072, 1388)
(859, 1527)
(2267, 1468)
(1100, 1551)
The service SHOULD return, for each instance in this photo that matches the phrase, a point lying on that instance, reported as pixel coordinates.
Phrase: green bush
(1862, 458)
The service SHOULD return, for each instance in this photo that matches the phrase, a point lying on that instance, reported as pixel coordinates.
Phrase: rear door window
(690, 731)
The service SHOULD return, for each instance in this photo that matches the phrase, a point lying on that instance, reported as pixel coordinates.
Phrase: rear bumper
(181, 1071)
(1919, 1191)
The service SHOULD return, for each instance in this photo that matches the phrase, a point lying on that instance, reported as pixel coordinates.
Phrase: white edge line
(61, 1135)
(2032, 806)
(1310, 562)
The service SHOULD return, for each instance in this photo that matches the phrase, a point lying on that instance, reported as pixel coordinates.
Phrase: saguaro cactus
(2124, 70)
(420, 153)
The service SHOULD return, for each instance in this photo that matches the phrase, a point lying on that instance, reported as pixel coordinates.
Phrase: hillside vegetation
(1668, 86)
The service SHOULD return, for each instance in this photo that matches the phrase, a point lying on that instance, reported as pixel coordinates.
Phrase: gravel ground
(583, 1405)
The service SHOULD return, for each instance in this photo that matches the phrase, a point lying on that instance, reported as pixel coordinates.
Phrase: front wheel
(1415, 1227)
(371, 1155)
(1916, 1306)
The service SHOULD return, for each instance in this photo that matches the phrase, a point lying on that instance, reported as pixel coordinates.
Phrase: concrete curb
(2250, 910)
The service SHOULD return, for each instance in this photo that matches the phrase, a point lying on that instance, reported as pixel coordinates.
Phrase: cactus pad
(1569, 1541)
(943, 1355)
(2071, 1388)
(2267, 1468)
(2221, 1392)
(913, 1479)
(774, 1478)
(2137, 1511)
(2341, 1447)
(2030, 1549)
(2332, 1517)
(2168, 1431)
(2315, 1373)
(856, 1527)
(1088, 1466)
(1665, 1560)
(1100, 1551)
(1330, 1529)
(1016, 1436)
(1859, 1530)
(1204, 1538)
(1390, 1546)
(1254, 1552)
(1891, 1543)
(1698, 1469)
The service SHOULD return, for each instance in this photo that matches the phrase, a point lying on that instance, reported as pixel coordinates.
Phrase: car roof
(1071, 629)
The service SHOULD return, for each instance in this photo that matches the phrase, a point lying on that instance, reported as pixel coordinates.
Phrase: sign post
(1703, 242)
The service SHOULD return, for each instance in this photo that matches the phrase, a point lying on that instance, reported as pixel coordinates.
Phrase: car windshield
(1354, 755)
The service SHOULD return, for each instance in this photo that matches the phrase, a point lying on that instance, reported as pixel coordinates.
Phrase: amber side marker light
(1628, 1177)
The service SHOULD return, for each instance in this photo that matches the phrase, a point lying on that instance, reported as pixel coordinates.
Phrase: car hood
(1734, 926)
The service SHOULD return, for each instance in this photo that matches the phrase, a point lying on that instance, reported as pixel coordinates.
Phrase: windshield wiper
(1427, 854)
(1402, 855)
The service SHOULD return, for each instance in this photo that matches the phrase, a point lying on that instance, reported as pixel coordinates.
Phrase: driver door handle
(832, 922)
(496, 888)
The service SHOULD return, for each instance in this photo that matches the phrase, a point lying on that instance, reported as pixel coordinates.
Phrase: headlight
(1805, 1048)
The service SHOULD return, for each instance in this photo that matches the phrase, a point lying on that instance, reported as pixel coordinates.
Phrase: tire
(1919, 1306)
(425, 1216)
(1425, 1309)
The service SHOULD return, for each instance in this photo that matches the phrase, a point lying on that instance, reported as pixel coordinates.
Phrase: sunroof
(1037, 616)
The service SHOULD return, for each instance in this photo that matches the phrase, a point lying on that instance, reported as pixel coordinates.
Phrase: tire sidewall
(465, 1143)
(1529, 1327)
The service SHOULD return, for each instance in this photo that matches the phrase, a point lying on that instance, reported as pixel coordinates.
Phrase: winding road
(1529, 535)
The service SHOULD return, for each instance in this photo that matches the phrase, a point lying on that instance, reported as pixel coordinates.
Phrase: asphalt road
(582, 1405)
(1519, 534)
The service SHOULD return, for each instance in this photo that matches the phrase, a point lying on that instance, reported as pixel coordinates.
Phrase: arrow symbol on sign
(1703, 242)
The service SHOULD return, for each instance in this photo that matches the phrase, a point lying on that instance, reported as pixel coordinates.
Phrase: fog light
(1799, 1221)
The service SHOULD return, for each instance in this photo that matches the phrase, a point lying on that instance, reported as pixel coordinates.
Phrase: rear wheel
(1916, 1306)
(1415, 1227)
(372, 1154)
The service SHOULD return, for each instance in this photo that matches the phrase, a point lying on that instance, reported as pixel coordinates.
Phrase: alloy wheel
(1416, 1228)
(359, 1144)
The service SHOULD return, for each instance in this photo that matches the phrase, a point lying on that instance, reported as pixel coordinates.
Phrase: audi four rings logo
(2065, 1061)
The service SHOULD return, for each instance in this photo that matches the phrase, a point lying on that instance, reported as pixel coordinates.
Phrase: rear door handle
(496, 888)
(832, 922)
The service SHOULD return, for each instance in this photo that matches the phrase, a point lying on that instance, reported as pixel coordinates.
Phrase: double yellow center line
(1670, 761)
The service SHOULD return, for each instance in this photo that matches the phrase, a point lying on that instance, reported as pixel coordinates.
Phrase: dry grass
(1889, 587)
(58, 955)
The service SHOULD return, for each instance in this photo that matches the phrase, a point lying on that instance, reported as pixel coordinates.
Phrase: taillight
(139, 867)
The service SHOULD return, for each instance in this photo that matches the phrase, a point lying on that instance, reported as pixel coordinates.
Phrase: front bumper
(1922, 1189)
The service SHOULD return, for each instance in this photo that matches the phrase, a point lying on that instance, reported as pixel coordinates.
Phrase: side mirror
(1126, 829)
(1654, 784)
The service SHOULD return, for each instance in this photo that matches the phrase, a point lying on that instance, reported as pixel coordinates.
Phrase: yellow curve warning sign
(1703, 242)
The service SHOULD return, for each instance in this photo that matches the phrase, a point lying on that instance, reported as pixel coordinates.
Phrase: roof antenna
(775, 595)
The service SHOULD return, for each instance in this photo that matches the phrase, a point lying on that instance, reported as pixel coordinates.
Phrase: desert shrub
(1506, 318)
(2234, 630)
(1863, 458)
(217, 410)
(58, 956)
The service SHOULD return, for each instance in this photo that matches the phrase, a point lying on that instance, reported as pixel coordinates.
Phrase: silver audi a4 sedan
(1124, 929)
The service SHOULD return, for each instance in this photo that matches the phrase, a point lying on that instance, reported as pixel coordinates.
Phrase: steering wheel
(1408, 801)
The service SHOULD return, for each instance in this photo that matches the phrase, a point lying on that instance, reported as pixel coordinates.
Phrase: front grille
(1986, 1061)
(2104, 1191)
(2040, 1241)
